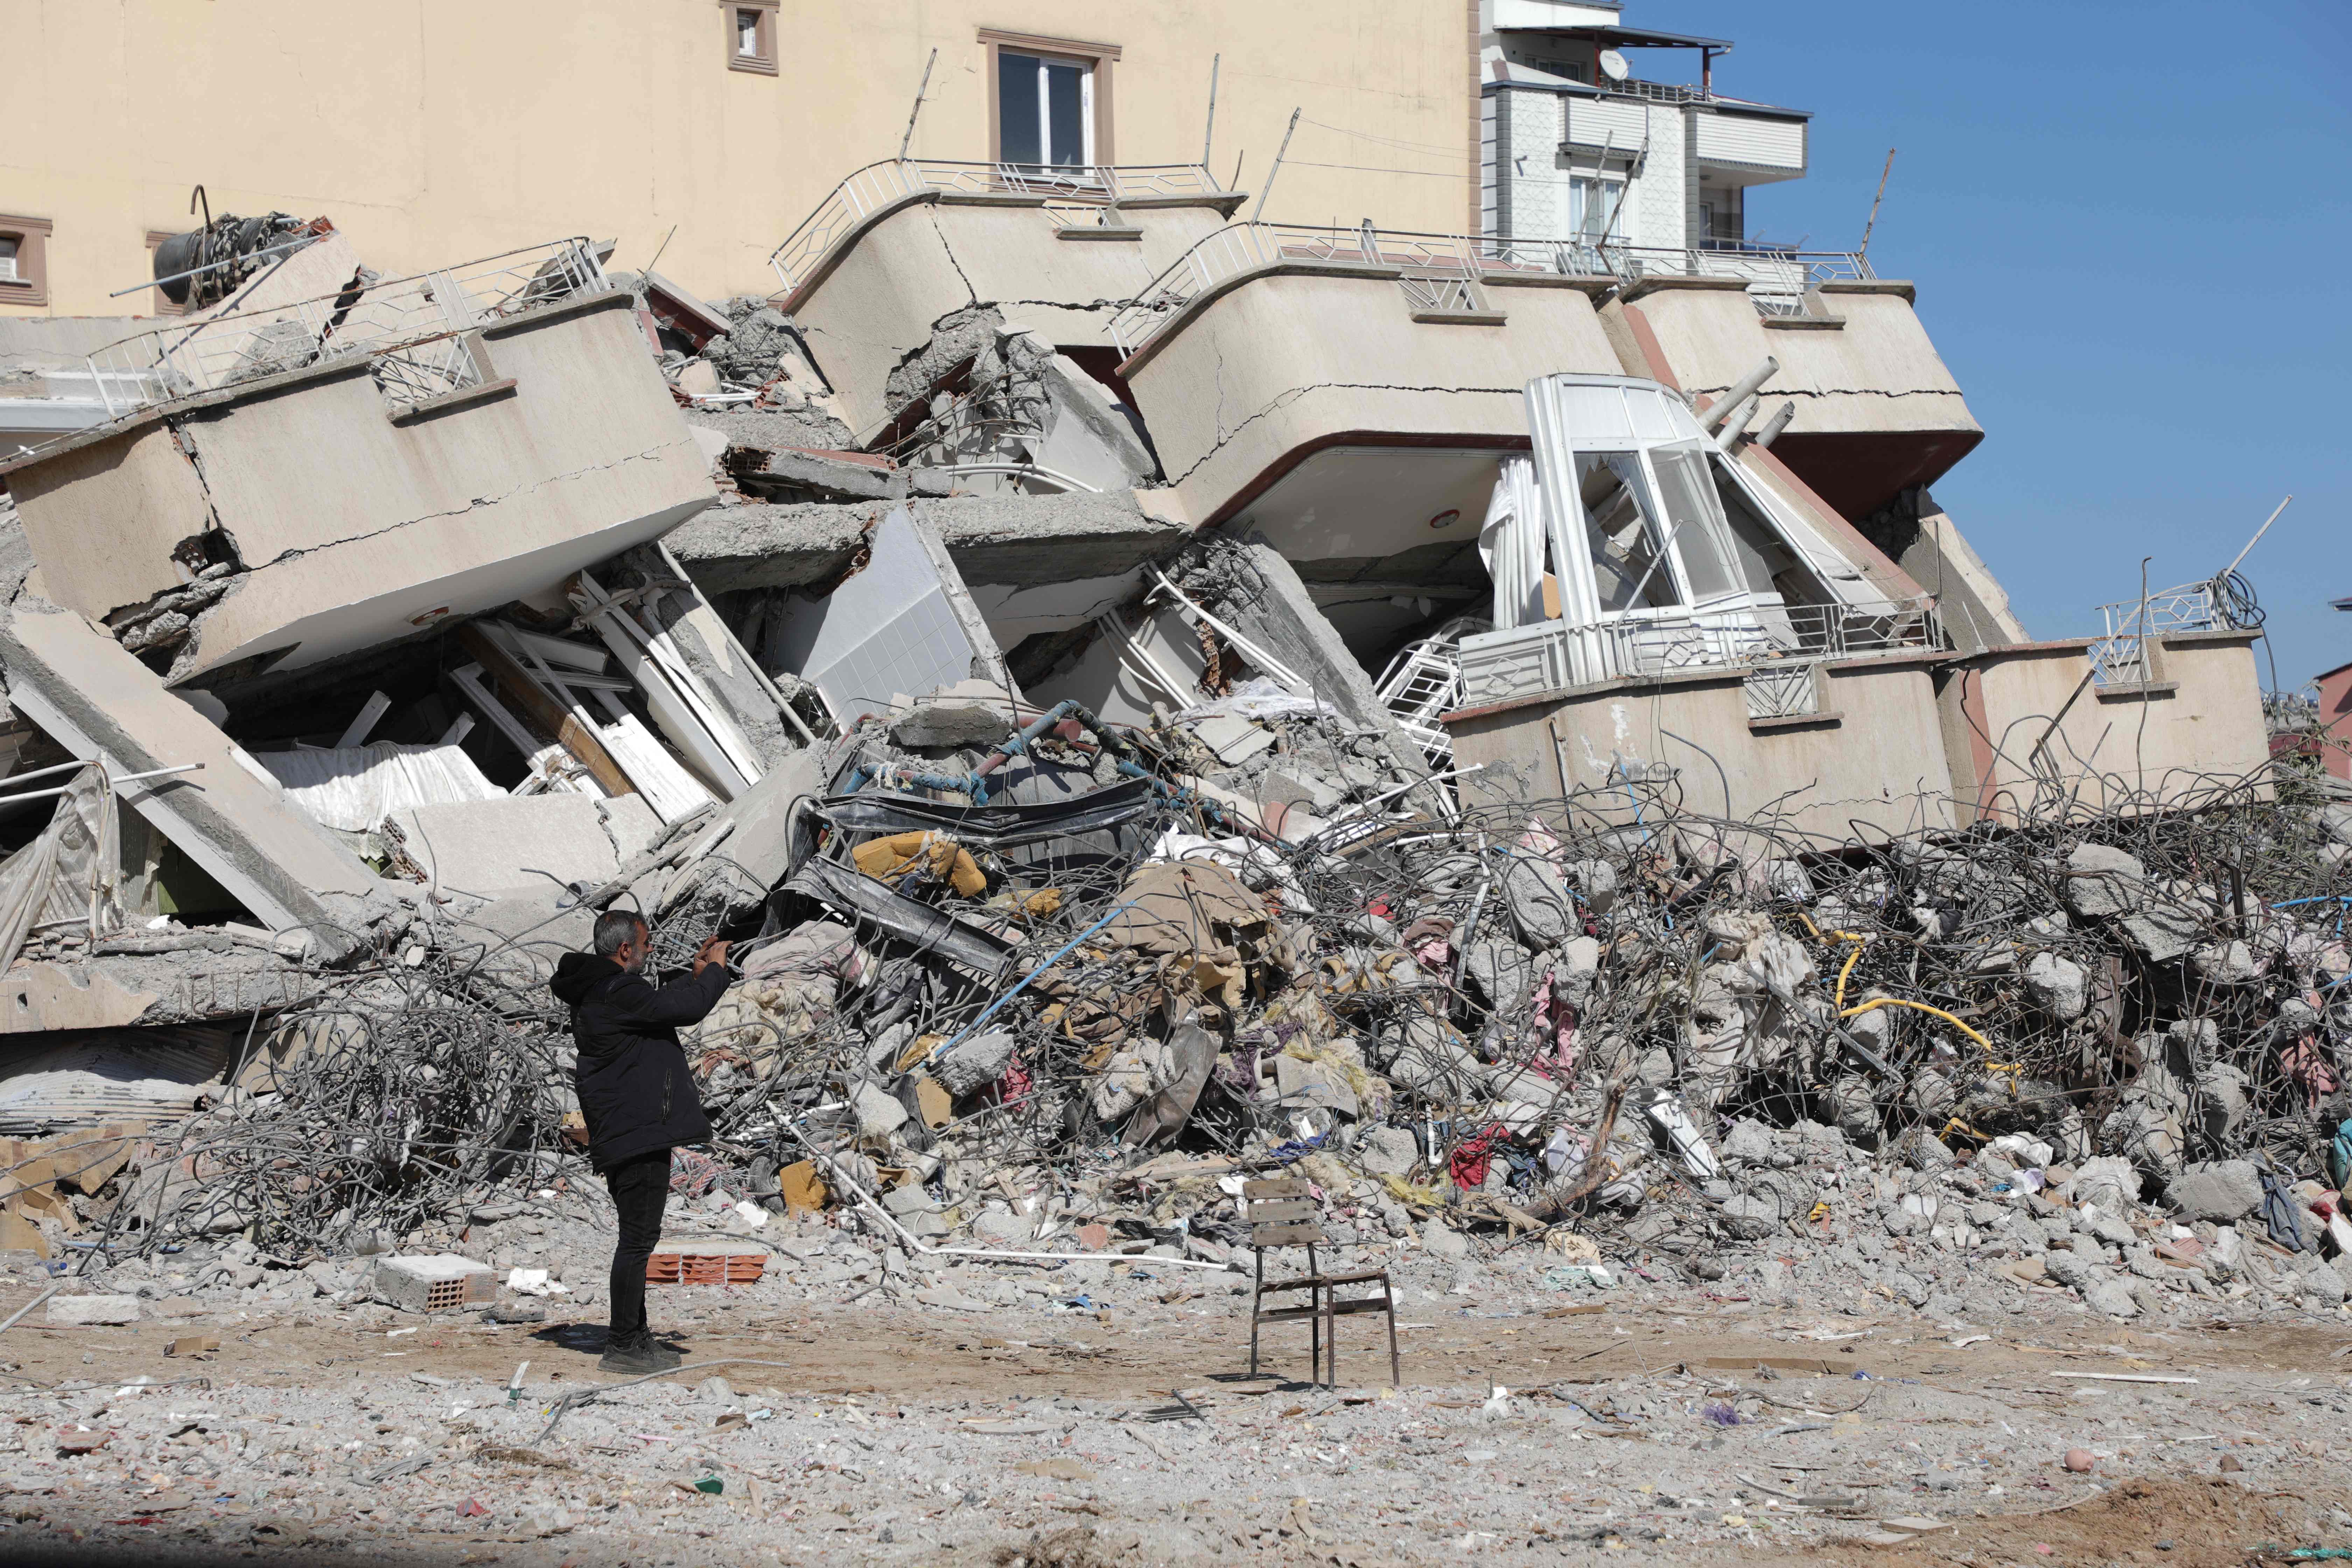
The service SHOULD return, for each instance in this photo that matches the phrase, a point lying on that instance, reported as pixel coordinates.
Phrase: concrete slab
(521, 843)
(231, 817)
(902, 624)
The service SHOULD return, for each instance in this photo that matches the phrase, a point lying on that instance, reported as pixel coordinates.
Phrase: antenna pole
(908, 139)
(1278, 156)
(1209, 135)
(1874, 201)
(2257, 539)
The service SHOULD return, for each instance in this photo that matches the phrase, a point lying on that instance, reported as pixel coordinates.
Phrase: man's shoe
(640, 1358)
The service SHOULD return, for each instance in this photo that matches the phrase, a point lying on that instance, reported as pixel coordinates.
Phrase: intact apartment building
(695, 128)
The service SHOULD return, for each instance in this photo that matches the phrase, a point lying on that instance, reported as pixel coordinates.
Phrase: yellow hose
(1845, 1012)
(1922, 1006)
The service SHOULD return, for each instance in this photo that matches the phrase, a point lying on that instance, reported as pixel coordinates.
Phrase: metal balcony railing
(2119, 656)
(1773, 643)
(409, 328)
(879, 186)
(1777, 279)
(1657, 92)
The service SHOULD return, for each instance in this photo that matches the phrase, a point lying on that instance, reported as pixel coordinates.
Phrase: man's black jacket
(635, 1092)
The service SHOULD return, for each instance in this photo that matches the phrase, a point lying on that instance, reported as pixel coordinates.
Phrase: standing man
(637, 1096)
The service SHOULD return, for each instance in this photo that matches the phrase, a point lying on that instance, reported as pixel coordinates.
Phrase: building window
(750, 35)
(23, 260)
(1049, 103)
(1592, 206)
(158, 302)
(1722, 217)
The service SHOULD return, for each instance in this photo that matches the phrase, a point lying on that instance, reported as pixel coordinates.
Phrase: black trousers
(640, 1186)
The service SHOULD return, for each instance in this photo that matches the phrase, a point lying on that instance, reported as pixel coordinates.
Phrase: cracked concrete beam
(1026, 539)
(89, 695)
(1286, 620)
(731, 548)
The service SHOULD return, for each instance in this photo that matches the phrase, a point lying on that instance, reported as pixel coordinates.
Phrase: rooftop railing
(408, 328)
(1777, 279)
(880, 186)
(2119, 653)
(1658, 92)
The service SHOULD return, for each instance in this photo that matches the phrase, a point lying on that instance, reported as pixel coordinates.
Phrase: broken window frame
(1717, 617)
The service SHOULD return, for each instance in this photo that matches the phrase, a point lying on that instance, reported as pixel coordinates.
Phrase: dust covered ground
(1093, 1413)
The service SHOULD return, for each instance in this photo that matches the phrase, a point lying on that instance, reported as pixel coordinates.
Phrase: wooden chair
(1281, 1212)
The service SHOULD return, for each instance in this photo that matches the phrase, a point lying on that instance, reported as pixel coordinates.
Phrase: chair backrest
(1281, 1212)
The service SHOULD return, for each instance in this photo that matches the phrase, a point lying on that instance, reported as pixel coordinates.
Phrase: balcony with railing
(411, 329)
(1777, 649)
(1656, 92)
(1777, 278)
(2120, 657)
(1073, 195)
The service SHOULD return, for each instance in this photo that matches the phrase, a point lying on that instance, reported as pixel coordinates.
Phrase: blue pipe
(996, 1006)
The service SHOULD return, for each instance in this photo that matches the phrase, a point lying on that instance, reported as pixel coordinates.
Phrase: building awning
(1630, 37)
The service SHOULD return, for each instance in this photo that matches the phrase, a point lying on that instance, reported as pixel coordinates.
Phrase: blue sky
(2130, 233)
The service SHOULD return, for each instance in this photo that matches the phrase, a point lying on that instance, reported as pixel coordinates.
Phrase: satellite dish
(1613, 66)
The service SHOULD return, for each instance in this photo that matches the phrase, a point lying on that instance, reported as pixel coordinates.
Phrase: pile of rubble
(1044, 947)
(1034, 991)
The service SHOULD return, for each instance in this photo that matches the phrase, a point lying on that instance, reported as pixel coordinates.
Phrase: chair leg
(1396, 1371)
(1331, 1337)
(1313, 1322)
(1257, 1294)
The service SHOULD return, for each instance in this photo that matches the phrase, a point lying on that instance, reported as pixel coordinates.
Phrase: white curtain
(1511, 541)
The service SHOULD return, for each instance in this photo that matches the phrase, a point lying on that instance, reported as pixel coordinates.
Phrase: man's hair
(614, 927)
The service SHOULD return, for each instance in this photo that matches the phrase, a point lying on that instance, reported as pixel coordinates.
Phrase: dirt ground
(1703, 1429)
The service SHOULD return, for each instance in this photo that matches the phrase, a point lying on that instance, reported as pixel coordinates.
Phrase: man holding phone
(637, 1096)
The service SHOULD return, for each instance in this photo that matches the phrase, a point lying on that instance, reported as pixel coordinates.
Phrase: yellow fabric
(891, 858)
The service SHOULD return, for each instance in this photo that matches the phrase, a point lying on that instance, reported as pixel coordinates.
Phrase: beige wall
(2197, 729)
(880, 301)
(1874, 755)
(1877, 410)
(432, 130)
(355, 531)
(1237, 390)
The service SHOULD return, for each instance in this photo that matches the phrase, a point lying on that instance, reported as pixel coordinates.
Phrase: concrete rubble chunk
(84, 1311)
(974, 1062)
(2112, 1297)
(2101, 880)
(2218, 1189)
(2058, 985)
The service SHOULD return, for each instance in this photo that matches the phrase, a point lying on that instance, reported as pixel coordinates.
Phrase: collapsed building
(1482, 713)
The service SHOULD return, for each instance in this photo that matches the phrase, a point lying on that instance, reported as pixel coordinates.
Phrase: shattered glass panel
(1709, 560)
(1766, 561)
(1622, 533)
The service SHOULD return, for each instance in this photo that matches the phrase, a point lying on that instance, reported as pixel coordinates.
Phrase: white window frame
(1582, 189)
(1568, 535)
